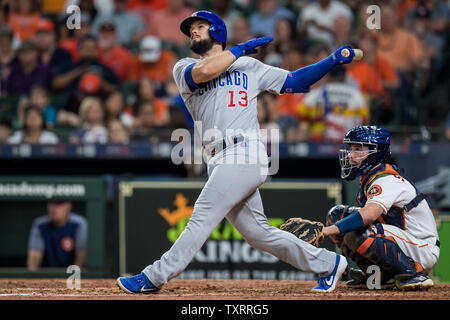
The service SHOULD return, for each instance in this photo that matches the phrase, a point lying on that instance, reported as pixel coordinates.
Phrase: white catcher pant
(231, 192)
(424, 252)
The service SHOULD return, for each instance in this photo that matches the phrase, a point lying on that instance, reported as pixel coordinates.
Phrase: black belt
(438, 243)
(223, 144)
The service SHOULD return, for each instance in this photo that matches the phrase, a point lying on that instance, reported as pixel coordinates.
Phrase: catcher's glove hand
(306, 230)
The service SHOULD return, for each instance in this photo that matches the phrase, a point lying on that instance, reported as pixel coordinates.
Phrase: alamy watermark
(374, 280)
(374, 20)
(73, 282)
(74, 18)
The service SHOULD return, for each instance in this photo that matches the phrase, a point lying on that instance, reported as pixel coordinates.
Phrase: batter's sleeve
(269, 78)
(388, 191)
(183, 78)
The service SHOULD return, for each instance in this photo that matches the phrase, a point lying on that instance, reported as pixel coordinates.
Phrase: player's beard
(202, 46)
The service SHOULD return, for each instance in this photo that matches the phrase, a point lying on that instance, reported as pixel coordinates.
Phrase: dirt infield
(107, 289)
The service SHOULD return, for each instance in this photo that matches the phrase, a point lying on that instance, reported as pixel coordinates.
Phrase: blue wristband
(352, 222)
(236, 51)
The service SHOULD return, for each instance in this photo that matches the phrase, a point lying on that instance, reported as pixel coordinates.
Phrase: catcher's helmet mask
(217, 28)
(376, 138)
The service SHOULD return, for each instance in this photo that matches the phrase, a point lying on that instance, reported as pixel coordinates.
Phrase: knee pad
(384, 252)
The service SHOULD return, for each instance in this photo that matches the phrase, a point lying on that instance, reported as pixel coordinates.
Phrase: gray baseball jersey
(230, 100)
(231, 192)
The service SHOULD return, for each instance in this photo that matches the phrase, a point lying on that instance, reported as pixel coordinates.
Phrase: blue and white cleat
(328, 283)
(418, 281)
(137, 284)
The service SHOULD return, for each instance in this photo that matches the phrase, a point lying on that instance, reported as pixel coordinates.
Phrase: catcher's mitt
(309, 231)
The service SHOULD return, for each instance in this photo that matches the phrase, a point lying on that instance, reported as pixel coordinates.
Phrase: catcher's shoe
(328, 283)
(137, 284)
(418, 281)
(359, 280)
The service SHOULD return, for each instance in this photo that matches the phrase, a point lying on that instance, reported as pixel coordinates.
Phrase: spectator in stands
(146, 92)
(377, 79)
(241, 32)
(224, 9)
(92, 8)
(111, 53)
(331, 110)
(267, 118)
(5, 129)
(264, 20)
(58, 239)
(115, 107)
(429, 20)
(92, 123)
(278, 49)
(68, 79)
(145, 128)
(397, 45)
(29, 72)
(285, 35)
(342, 33)
(317, 19)
(89, 85)
(147, 5)
(24, 18)
(131, 27)
(163, 21)
(72, 43)
(40, 99)
(152, 61)
(50, 55)
(8, 55)
(118, 132)
(4, 12)
(34, 129)
(405, 52)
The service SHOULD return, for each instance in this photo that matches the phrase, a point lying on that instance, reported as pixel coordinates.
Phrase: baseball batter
(220, 90)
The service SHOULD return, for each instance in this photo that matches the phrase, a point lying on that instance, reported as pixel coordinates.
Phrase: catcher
(393, 227)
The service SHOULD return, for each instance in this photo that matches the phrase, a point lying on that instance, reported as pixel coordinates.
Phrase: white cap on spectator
(150, 49)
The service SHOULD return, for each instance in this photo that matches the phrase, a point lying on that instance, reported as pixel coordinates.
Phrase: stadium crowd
(105, 74)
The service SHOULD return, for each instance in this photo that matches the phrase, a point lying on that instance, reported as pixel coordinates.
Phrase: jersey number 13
(241, 97)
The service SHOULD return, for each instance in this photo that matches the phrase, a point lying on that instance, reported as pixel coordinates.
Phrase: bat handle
(358, 53)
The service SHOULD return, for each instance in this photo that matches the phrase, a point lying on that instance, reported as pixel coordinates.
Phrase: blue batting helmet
(217, 30)
(376, 138)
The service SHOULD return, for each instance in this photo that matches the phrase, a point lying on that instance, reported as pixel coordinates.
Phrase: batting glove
(339, 59)
(249, 47)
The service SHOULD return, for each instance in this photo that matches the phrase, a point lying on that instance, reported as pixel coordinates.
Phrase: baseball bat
(358, 54)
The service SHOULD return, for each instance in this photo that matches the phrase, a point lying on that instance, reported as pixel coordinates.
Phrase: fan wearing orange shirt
(111, 53)
(146, 92)
(24, 19)
(152, 61)
(374, 74)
